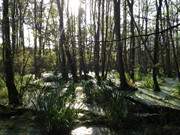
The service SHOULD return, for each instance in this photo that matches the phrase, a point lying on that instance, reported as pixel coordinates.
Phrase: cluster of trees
(124, 35)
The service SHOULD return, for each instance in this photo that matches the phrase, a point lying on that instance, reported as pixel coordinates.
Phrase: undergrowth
(3, 89)
(177, 88)
(57, 108)
(108, 97)
(147, 81)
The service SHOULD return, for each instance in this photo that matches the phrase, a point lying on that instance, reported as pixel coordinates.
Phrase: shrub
(88, 87)
(177, 88)
(3, 91)
(112, 101)
(147, 82)
(58, 110)
(138, 75)
(47, 62)
(23, 61)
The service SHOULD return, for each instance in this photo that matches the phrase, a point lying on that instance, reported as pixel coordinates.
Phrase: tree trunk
(82, 65)
(124, 34)
(40, 17)
(132, 42)
(13, 95)
(97, 45)
(62, 39)
(13, 14)
(120, 64)
(35, 39)
(172, 41)
(156, 47)
(103, 47)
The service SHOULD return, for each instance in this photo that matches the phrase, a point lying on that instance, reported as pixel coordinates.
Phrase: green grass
(3, 89)
(147, 81)
(138, 76)
(177, 89)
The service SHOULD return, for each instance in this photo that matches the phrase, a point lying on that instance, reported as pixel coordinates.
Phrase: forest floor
(18, 123)
(168, 96)
(25, 123)
(164, 98)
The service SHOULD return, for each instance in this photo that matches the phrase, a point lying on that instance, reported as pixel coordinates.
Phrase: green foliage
(47, 62)
(23, 62)
(3, 94)
(58, 109)
(177, 88)
(111, 100)
(138, 75)
(161, 80)
(2, 82)
(22, 82)
(53, 11)
(128, 77)
(3, 89)
(88, 85)
(1, 59)
(116, 75)
(147, 82)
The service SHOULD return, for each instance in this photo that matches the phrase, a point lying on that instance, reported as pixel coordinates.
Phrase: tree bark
(132, 42)
(97, 43)
(172, 41)
(103, 47)
(120, 64)
(124, 35)
(82, 64)
(13, 95)
(35, 40)
(63, 66)
(156, 47)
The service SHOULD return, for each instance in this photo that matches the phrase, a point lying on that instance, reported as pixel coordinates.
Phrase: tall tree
(156, 46)
(103, 47)
(82, 64)
(120, 63)
(108, 27)
(124, 34)
(166, 47)
(14, 23)
(40, 24)
(13, 95)
(35, 40)
(97, 43)
(70, 59)
(62, 56)
(132, 42)
(172, 42)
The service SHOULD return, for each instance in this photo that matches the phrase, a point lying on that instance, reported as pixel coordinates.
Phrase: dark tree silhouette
(8, 57)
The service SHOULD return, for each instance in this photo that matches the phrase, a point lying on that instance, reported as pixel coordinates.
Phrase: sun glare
(74, 6)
